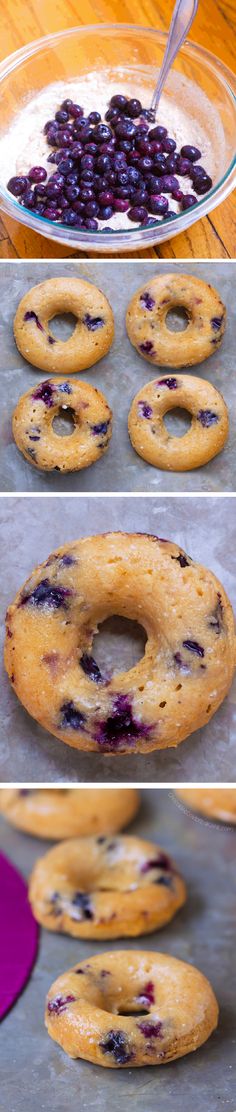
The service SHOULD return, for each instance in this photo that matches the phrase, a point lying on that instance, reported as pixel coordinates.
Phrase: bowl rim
(109, 236)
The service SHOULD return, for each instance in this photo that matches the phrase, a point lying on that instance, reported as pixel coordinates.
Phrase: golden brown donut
(146, 320)
(69, 812)
(92, 336)
(203, 440)
(189, 658)
(131, 1008)
(105, 888)
(214, 803)
(36, 437)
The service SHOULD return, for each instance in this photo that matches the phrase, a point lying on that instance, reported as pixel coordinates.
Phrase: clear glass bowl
(135, 53)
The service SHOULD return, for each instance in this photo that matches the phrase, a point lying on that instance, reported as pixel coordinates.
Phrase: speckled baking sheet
(35, 1072)
(30, 528)
(120, 375)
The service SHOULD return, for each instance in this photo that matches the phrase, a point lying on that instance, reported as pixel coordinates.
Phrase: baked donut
(67, 812)
(34, 432)
(214, 803)
(92, 336)
(105, 888)
(206, 436)
(147, 327)
(131, 1008)
(189, 658)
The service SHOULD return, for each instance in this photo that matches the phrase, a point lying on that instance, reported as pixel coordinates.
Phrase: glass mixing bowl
(132, 54)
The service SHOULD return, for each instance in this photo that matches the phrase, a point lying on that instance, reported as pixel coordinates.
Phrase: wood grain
(213, 237)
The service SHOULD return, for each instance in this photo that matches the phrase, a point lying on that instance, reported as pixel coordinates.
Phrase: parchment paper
(36, 1074)
(31, 528)
(120, 375)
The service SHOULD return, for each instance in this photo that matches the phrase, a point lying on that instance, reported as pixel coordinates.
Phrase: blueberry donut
(131, 1008)
(146, 320)
(92, 336)
(35, 434)
(206, 436)
(105, 888)
(213, 803)
(69, 812)
(189, 658)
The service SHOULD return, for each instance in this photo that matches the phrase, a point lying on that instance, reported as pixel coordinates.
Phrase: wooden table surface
(214, 237)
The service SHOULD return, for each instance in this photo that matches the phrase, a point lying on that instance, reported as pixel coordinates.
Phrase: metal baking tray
(120, 375)
(36, 1074)
(31, 528)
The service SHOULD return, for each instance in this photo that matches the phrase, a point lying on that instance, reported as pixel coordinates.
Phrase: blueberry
(59, 1004)
(216, 322)
(158, 133)
(171, 383)
(159, 862)
(94, 117)
(147, 996)
(92, 323)
(182, 560)
(138, 214)
(90, 668)
(133, 108)
(46, 594)
(72, 717)
(188, 201)
(207, 418)
(194, 647)
(17, 185)
(147, 300)
(115, 1043)
(150, 1029)
(147, 347)
(120, 724)
(191, 153)
(119, 101)
(145, 410)
(158, 205)
(38, 173)
(100, 429)
(216, 621)
(168, 145)
(31, 315)
(105, 213)
(81, 900)
(125, 129)
(184, 166)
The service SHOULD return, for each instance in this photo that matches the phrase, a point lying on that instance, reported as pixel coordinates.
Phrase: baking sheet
(120, 376)
(31, 528)
(35, 1072)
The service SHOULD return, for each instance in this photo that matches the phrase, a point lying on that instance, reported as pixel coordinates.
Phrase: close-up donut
(36, 436)
(131, 1008)
(209, 425)
(213, 803)
(69, 812)
(189, 659)
(93, 333)
(105, 888)
(147, 320)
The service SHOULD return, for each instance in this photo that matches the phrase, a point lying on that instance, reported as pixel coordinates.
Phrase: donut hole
(120, 644)
(177, 421)
(62, 326)
(64, 422)
(177, 319)
(137, 1011)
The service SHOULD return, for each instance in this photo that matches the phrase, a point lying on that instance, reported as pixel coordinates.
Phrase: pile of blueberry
(124, 165)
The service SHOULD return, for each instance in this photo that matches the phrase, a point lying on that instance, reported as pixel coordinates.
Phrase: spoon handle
(182, 18)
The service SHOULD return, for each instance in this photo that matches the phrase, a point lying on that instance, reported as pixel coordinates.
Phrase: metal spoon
(182, 19)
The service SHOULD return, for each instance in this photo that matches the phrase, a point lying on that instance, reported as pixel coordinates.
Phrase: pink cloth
(18, 935)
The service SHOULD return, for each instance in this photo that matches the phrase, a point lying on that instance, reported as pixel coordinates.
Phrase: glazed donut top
(95, 1010)
(66, 812)
(189, 656)
(105, 887)
(92, 336)
(147, 315)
